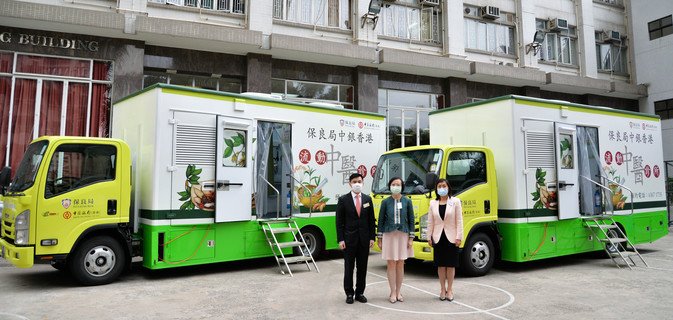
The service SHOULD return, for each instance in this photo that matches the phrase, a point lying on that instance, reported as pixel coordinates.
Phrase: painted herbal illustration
(566, 151)
(309, 192)
(545, 196)
(618, 197)
(234, 152)
(198, 194)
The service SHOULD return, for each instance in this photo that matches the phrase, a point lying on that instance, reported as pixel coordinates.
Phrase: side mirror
(5, 175)
(431, 180)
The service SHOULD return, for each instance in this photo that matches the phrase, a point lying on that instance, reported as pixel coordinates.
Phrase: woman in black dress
(445, 228)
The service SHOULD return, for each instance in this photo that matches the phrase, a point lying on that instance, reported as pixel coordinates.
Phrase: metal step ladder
(605, 229)
(275, 227)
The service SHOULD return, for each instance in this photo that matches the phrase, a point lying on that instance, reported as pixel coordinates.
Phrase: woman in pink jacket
(445, 227)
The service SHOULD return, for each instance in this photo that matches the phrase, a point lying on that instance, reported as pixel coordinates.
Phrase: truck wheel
(99, 260)
(478, 255)
(314, 242)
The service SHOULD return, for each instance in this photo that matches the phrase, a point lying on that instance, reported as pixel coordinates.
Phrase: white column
(260, 15)
(525, 17)
(587, 38)
(452, 13)
(367, 35)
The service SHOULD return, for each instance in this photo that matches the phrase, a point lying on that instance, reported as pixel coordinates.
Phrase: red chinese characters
(304, 156)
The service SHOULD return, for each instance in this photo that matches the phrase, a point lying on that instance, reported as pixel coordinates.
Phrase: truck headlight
(21, 237)
(423, 225)
(22, 227)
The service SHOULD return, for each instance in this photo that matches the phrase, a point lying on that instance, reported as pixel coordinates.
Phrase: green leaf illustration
(228, 151)
(238, 140)
(229, 143)
(197, 171)
(185, 205)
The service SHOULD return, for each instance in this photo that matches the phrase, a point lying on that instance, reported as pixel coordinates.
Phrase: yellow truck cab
(470, 171)
(70, 197)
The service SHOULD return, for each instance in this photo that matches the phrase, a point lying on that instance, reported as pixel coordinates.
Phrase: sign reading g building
(47, 41)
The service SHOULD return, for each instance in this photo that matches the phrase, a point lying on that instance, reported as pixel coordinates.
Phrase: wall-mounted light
(538, 38)
(372, 14)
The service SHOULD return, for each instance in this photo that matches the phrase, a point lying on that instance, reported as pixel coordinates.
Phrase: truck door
(233, 170)
(567, 171)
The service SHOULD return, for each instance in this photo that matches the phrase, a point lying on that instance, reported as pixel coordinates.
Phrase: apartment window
(326, 13)
(190, 80)
(232, 6)
(410, 21)
(559, 47)
(660, 27)
(407, 116)
(611, 57)
(488, 35)
(664, 109)
(305, 92)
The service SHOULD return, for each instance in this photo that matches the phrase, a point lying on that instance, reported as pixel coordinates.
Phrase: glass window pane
(666, 31)
(50, 108)
(230, 85)
(346, 94)
(75, 166)
(667, 21)
(6, 62)
(53, 66)
(481, 36)
(660, 105)
(656, 24)
(235, 152)
(102, 70)
(206, 83)
(491, 36)
(151, 78)
(410, 128)
(278, 86)
(394, 128)
(408, 99)
(383, 100)
(424, 127)
(655, 34)
(78, 102)
(181, 79)
(306, 90)
(101, 95)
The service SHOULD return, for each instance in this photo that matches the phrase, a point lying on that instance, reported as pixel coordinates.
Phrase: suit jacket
(452, 224)
(353, 229)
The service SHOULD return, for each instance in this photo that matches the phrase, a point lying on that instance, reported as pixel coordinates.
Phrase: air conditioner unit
(490, 12)
(558, 24)
(430, 2)
(612, 36)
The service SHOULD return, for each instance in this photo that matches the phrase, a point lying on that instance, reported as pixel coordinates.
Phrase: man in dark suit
(356, 234)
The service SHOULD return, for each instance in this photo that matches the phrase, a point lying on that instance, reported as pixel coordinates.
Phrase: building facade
(62, 63)
(653, 45)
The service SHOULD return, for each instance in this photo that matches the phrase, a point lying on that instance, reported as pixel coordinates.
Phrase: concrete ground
(575, 287)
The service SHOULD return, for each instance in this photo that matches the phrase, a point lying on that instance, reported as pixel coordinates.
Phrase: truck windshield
(411, 166)
(25, 175)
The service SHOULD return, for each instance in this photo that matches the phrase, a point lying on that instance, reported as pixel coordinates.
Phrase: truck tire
(98, 260)
(478, 255)
(314, 242)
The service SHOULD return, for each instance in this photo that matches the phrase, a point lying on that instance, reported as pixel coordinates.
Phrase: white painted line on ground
(13, 315)
(476, 310)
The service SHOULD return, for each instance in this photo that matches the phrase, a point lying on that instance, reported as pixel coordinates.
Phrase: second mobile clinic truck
(535, 177)
(193, 177)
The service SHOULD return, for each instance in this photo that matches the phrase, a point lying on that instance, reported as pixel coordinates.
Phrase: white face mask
(442, 192)
(356, 187)
(396, 189)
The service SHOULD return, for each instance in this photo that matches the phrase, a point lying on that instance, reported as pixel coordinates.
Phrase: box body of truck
(208, 166)
(555, 162)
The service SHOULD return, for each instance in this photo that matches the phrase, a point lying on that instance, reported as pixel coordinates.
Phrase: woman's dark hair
(447, 183)
(393, 179)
